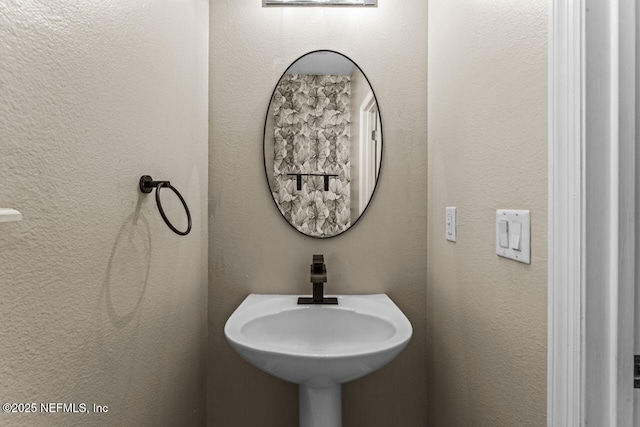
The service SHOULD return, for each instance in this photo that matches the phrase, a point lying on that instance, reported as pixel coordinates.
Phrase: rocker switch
(514, 236)
(503, 232)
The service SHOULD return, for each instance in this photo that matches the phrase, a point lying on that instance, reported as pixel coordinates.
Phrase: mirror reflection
(322, 144)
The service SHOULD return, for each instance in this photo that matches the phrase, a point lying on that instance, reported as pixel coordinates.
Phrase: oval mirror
(322, 144)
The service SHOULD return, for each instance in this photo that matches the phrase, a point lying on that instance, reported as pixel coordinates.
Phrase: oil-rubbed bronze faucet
(318, 279)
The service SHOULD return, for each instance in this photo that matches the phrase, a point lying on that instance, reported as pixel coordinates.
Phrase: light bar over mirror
(320, 2)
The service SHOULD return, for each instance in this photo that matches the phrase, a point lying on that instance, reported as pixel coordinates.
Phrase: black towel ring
(147, 185)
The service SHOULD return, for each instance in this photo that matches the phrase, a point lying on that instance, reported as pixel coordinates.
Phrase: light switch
(514, 238)
(503, 233)
(451, 224)
(513, 234)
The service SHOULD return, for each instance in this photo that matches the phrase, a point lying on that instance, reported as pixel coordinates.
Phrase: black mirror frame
(264, 148)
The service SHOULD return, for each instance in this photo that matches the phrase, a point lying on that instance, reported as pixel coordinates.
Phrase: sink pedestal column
(320, 406)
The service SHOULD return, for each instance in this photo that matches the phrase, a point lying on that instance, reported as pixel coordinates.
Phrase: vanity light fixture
(320, 2)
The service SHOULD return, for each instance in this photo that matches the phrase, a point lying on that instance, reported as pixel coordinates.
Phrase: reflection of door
(370, 149)
(375, 140)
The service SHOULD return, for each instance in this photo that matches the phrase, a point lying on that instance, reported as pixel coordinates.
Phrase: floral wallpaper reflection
(311, 126)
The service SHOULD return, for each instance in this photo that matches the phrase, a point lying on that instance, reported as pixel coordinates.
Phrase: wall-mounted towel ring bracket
(147, 184)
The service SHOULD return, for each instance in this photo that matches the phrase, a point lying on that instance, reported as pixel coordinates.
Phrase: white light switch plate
(450, 221)
(513, 234)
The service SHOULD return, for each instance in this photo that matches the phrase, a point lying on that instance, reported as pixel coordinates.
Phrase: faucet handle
(318, 266)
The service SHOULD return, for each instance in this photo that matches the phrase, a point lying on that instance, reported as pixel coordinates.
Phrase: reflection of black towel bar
(147, 184)
(300, 175)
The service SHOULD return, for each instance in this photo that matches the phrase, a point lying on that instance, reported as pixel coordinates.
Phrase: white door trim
(592, 149)
(367, 178)
(566, 214)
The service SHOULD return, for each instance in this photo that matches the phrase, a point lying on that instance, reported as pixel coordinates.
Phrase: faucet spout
(318, 279)
(318, 270)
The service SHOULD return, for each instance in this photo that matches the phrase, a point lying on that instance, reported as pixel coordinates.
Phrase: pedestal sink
(318, 347)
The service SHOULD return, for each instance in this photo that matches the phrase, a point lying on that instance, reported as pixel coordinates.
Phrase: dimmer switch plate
(513, 234)
(451, 224)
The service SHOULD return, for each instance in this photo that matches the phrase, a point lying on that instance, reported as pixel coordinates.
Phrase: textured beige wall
(253, 249)
(99, 300)
(487, 150)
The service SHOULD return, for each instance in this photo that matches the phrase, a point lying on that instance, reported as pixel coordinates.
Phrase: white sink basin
(318, 346)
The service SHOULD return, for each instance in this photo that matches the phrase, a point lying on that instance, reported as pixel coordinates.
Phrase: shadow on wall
(122, 293)
(128, 269)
